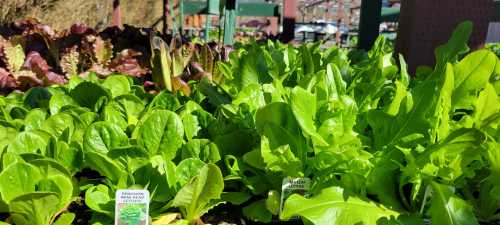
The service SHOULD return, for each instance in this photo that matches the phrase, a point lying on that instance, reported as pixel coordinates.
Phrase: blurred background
(329, 20)
(61, 14)
(413, 27)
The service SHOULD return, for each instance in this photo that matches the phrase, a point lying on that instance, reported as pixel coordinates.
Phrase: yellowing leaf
(167, 219)
(15, 57)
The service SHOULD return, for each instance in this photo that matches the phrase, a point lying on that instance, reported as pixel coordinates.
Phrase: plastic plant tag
(132, 207)
(291, 186)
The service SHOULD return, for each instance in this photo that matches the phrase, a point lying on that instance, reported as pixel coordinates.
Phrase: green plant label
(294, 186)
(132, 207)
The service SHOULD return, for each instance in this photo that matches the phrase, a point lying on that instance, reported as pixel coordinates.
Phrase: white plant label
(291, 186)
(132, 207)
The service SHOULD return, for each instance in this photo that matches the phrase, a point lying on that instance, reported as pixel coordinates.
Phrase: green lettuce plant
(380, 146)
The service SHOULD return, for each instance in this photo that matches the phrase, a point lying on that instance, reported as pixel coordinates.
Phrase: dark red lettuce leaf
(39, 66)
(197, 72)
(126, 63)
(7, 82)
(96, 51)
(73, 37)
(81, 29)
(27, 79)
